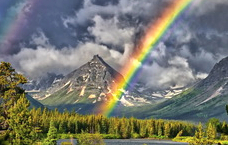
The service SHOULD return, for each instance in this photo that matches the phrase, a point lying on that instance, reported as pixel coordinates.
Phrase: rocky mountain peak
(98, 63)
(97, 58)
(221, 68)
(218, 73)
(93, 78)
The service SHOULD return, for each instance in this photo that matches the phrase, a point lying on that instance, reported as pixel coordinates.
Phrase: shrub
(135, 135)
(90, 139)
(66, 143)
(110, 136)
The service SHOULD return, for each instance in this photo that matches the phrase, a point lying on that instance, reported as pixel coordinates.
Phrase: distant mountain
(88, 87)
(202, 101)
(42, 83)
(34, 103)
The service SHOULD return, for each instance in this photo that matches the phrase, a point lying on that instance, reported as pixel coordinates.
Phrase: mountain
(200, 102)
(88, 86)
(34, 103)
(42, 83)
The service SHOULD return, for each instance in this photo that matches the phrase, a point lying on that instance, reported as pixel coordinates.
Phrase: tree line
(71, 122)
(19, 125)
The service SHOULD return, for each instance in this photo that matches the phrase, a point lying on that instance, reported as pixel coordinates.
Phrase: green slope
(187, 106)
(63, 99)
(34, 103)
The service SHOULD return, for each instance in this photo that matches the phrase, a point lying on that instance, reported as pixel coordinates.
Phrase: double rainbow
(153, 35)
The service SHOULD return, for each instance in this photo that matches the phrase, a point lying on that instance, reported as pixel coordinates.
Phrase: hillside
(202, 101)
(34, 103)
(85, 88)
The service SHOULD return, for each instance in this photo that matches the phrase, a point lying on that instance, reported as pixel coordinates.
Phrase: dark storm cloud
(61, 35)
(41, 15)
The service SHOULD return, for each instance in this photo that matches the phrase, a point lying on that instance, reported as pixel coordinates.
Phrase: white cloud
(46, 58)
(88, 11)
(202, 60)
(201, 76)
(107, 31)
(178, 73)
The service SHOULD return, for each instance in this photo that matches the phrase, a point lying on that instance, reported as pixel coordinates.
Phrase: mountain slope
(34, 103)
(88, 87)
(202, 101)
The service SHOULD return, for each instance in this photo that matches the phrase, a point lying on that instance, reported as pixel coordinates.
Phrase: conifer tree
(15, 116)
(211, 134)
(20, 123)
(52, 135)
(199, 136)
(167, 130)
(159, 129)
(10, 91)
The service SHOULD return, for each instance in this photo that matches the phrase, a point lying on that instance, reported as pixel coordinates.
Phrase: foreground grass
(189, 139)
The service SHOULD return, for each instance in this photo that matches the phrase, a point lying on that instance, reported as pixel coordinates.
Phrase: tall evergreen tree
(167, 130)
(199, 136)
(10, 91)
(52, 135)
(15, 116)
(211, 134)
(20, 123)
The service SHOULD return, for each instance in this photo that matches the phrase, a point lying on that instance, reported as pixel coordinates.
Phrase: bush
(90, 139)
(135, 135)
(224, 137)
(38, 143)
(66, 143)
(110, 136)
(183, 139)
(64, 136)
(4, 138)
(157, 137)
(224, 142)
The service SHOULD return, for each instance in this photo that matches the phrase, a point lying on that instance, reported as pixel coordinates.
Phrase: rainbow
(12, 26)
(148, 42)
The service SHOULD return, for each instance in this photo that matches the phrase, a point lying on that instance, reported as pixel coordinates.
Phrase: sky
(40, 36)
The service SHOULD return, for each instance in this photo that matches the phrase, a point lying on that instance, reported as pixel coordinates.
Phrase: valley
(89, 86)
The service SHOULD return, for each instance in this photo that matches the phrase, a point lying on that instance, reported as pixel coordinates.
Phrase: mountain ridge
(91, 84)
(200, 102)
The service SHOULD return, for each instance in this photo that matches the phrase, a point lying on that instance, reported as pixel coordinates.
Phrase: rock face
(91, 84)
(218, 73)
(96, 74)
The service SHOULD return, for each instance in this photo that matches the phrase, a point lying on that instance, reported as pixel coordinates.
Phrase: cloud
(60, 36)
(202, 7)
(209, 15)
(107, 31)
(46, 58)
(178, 73)
(145, 10)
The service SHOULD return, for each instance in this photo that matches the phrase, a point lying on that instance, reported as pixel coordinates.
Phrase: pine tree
(211, 134)
(167, 130)
(20, 123)
(159, 129)
(52, 135)
(199, 136)
(15, 116)
(10, 91)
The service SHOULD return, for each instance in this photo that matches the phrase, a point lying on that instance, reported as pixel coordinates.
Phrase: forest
(21, 125)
